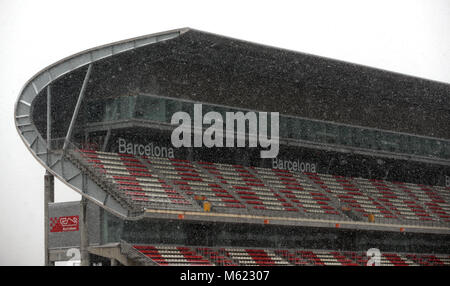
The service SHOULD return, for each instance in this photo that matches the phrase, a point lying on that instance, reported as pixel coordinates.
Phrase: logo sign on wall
(64, 223)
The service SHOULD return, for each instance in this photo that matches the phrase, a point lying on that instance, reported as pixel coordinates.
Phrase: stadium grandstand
(363, 161)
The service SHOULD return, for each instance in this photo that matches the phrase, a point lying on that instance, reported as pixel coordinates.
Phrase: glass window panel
(395, 144)
(332, 133)
(188, 108)
(431, 147)
(403, 143)
(119, 108)
(319, 128)
(140, 108)
(306, 130)
(108, 115)
(445, 151)
(370, 137)
(125, 107)
(357, 137)
(414, 145)
(344, 135)
(437, 149)
(172, 106)
(298, 129)
(379, 140)
(151, 108)
(426, 146)
(388, 141)
(285, 127)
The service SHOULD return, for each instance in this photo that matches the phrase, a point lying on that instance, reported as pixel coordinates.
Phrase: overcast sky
(410, 37)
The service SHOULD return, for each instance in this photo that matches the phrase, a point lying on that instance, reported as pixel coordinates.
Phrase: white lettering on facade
(144, 150)
(294, 166)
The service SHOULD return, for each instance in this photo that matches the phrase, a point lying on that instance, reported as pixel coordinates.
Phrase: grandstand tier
(179, 184)
(168, 255)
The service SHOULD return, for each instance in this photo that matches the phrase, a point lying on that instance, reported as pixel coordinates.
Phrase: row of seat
(416, 202)
(189, 179)
(174, 255)
(299, 191)
(401, 202)
(351, 196)
(134, 180)
(154, 182)
(239, 256)
(255, 257)
(249, 188)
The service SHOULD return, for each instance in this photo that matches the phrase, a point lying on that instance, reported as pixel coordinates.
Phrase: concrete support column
(84, 239)
(49, 197)
(114, 262)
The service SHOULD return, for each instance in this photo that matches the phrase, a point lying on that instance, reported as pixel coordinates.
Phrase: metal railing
(134, 254)
(73, 153)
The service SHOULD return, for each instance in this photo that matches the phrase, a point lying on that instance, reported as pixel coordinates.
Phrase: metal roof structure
(204, 67)
(56, 163)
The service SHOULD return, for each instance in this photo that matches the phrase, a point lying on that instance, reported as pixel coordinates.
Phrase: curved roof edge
(56, 163)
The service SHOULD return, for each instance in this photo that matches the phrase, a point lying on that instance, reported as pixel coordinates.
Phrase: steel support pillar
(84, 235)
(49, 118)
(49, 197)
(105, 143)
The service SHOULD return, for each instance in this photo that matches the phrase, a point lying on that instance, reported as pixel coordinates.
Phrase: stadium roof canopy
(204, 67)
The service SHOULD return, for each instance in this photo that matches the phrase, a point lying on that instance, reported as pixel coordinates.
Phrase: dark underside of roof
(209, 68)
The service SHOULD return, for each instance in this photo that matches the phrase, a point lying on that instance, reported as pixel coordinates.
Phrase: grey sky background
(410, 37)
